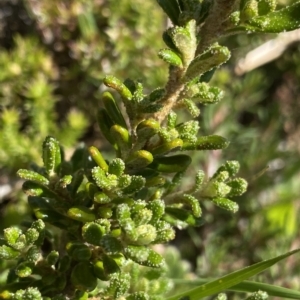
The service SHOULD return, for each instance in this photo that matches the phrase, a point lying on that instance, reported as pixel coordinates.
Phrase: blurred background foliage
(53, 55)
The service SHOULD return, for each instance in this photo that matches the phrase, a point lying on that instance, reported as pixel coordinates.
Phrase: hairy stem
(174, 87)
(214, 24)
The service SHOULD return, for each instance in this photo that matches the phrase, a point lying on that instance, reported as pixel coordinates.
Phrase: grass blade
(230, 280)
(248, 287)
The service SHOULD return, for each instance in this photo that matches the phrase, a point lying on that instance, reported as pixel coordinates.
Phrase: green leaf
(213, 57)
(83, 278)
(32, 176)
(171, 8)
(120, 87)
(232, 279)
(285, 19)
(210, 142)
(171, 164)
(167, 147)
(93, 232)
(105, 123)
(170, 57)
(51, 155)
(113, 109)
(79, 251)
(98, 158)
(81, 214)
(139, 159)
(99, 270)
(122, 138)
(249, 287)
(266, 6)
(185, 217)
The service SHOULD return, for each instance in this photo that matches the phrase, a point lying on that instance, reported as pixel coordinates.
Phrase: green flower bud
(260, 295)
(144, 256)
(158, 209)
(171, 120)
(145, 234)
(24, 269)
(165, 232)
(30, 293)
(194, 203)
(188, 130)
(7, 252)
(124, 181)
(215, 189)
(226, 204)
(104, 212)
(106, 182)
(12, 235)
(33, 254)
(39, 225)
(249, 9)
(64, 181)
(101, 198)
(184, 38)
(137, 183)
(206, 94)
(116, 167)
(192, 107)
(231, 166)
(238, 187)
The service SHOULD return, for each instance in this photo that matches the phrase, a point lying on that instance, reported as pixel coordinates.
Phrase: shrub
(98, 221)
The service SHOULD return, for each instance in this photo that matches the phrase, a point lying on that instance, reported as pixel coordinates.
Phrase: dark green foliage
(103, 216)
